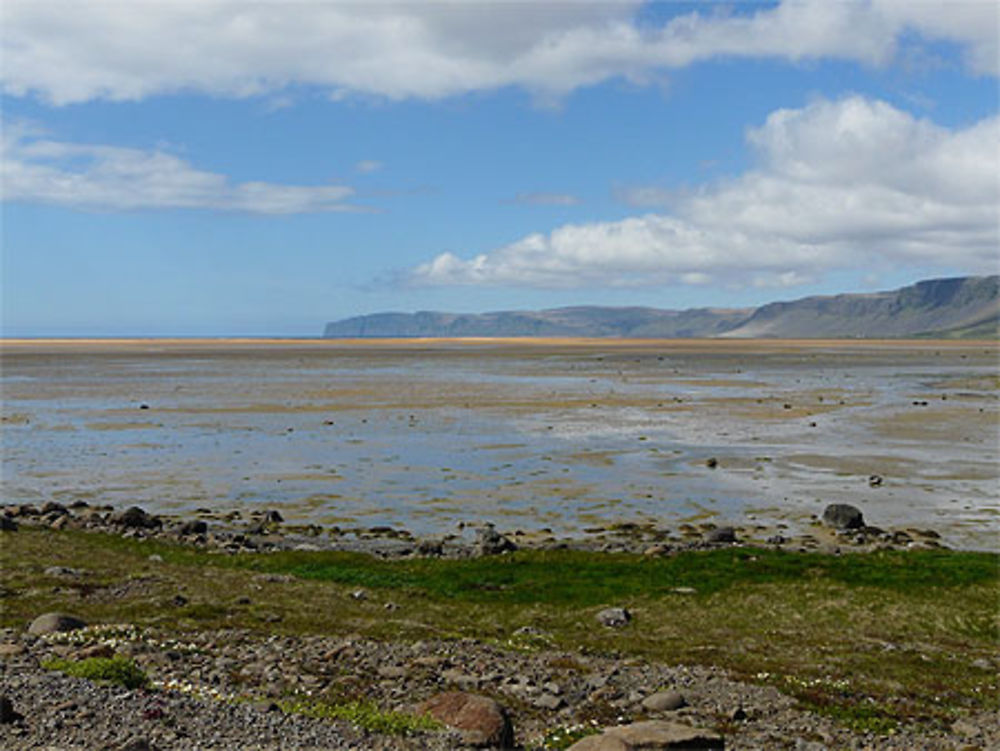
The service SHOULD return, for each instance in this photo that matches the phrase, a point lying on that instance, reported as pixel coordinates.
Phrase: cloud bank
(68, 52)
(839, 184)
(112, 178)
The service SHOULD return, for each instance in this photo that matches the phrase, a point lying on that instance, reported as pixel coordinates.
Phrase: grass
(118, 670)
(364, 714)
(871, 639)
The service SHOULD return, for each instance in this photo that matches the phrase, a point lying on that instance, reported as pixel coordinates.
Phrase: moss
(364, 714)
(118, 670)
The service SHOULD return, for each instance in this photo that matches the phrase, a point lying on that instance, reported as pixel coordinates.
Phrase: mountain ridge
(955, 307)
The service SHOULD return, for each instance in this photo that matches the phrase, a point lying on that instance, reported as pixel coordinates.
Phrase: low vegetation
(364, 714)
(118, 670)
(871, 639)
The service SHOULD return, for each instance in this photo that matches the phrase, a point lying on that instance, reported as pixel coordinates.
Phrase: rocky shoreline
(840, 529)
(241, 689)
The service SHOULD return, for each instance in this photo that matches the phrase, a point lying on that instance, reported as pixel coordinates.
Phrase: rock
(656, 550)
(11, 650)
(94, 650)
(481, 721)
(430, 546)
(8, 714)
(62, 571)
(548, 701)
(721, 534)
(491, 542)
(273, 517)
(664, 701)
(135, 518)
(193, 527)
(614, 617)
(712, 462)
(843, 516)
(650, 736)
(965, 728)
(51, 507)
(48, 623)
(7, 524)
(138, 744)
(875, 481)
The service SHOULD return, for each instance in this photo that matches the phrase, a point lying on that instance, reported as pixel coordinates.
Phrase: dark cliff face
(937, 305)
(962, 306)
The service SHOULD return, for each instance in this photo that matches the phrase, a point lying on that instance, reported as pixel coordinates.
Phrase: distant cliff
(960, 307)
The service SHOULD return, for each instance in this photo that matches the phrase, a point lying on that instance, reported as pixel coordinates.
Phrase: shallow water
(560, 437)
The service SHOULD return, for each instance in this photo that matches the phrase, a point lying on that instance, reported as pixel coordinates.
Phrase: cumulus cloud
(839, 184)
(67, 52)
(36, 169)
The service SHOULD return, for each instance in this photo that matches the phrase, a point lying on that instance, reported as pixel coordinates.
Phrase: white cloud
(849, 183)
(68, 52)
(87, 176)
(367, 166)
(547, 199)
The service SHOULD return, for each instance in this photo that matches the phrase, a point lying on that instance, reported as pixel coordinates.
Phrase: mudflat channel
(556, 434)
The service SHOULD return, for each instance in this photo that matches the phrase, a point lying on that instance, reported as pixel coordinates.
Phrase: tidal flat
(560, 436)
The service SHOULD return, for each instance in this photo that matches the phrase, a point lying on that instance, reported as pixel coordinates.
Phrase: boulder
(480, 720)
(135, 518)
(843, 516)
(652, 735)
(491, 542)
(664, 701)
(49, 623)
(614, 617)
(193, 527)
(721, 534)
(7, 524)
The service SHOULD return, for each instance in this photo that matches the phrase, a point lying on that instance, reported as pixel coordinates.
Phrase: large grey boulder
(843, 516)
(49, 623)
(652, 735)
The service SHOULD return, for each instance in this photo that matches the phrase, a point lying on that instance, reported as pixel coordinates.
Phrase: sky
(223, 167)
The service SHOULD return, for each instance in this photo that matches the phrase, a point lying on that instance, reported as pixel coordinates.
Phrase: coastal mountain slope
(962, 307)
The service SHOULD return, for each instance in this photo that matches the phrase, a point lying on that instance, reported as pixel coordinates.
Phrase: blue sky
(220, 167)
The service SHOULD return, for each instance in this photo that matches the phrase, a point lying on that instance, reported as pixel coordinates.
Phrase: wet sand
(562, 434)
